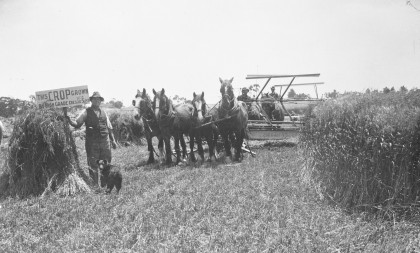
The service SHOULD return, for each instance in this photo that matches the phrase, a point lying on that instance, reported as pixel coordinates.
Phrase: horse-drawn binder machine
(269, 118)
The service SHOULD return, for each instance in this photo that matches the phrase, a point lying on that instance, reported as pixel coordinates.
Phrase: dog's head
(103, 165)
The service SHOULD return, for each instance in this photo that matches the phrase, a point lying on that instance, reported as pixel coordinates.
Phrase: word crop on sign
(65, 97)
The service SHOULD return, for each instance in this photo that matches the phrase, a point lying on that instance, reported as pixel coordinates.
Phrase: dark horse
(201, 116)
(255, 111)
(176, 121)
(236, 115)
(144, 112)
(272, 108)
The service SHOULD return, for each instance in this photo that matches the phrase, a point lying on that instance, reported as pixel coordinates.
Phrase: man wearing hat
(98, 133)
(273, 93)
(244, 97)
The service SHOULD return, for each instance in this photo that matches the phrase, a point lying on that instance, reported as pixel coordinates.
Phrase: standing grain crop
(363, 149)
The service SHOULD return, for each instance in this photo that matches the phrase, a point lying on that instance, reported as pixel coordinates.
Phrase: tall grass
(364, 149)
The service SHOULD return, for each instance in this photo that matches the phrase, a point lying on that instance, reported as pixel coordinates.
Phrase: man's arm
(79, 121)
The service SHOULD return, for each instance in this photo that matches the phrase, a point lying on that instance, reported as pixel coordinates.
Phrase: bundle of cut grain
(43, 156)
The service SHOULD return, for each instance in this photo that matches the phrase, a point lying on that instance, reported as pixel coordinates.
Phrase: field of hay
(263, 204)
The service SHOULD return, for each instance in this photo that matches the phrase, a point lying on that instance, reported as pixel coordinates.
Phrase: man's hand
(69, 120)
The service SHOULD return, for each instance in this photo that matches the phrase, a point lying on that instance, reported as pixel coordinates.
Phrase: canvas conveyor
(277, 130)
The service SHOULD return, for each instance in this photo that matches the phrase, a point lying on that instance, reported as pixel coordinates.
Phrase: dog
(110, 175)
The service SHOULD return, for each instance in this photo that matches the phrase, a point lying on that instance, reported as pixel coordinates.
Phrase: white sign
(65, 97)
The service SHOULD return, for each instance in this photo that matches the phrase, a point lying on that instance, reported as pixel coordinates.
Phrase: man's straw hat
(96, 94)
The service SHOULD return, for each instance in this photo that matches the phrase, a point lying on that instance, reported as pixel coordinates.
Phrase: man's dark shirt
(244, 98)
(274, 95)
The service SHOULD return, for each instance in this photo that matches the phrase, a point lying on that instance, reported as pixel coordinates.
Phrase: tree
(291, 94)
(111, 103)
(302, 96)
(386, 90)
(403, 89)
(254, 88)
(332, 95)
(118, 104)
(178, 99)
(115, 103)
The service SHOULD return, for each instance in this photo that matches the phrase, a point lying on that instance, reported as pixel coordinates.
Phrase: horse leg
(238, 144)
(226, 144)
(161, 148)
(160, 145)
(177, 150)
(232, 138)
(215, 133)
(167, 140)
(184, 147)
(210, 143)
(150, 148)
(200, 146)
(192, 156)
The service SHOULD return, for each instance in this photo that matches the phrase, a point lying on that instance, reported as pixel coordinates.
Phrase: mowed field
(262, 204)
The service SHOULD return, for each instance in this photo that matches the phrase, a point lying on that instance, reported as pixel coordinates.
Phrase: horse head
(143, 104)
(199, 106)
(226, 90)
(161, 103)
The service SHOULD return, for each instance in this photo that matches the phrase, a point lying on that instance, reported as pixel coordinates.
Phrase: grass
(259, 205)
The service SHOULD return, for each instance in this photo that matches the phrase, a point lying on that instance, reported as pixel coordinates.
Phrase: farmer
(273, 93)
(244, 97)
(98, 133)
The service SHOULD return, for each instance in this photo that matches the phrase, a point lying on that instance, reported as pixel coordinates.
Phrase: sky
(184, 46)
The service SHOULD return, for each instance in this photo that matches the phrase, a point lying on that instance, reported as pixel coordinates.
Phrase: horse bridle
(169, 114)
(142, 116)
(198, 110)
(230, 100)
(147, 107)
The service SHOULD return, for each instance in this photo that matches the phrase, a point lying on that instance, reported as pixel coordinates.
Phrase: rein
(230, 100)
